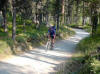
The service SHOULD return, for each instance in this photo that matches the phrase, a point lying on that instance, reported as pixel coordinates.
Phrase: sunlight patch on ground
(40, 60)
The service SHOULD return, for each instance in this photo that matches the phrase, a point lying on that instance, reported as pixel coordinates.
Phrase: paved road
(38, 61)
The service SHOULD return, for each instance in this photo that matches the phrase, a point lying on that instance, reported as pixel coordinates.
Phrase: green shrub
(88, 28)
(73, 25)
(20, 39)
(5, 43)
(98, 29)
(86, 46)
(3, 46)
(3, 34)
(96, 66)
(66, 30)
(92, 66)
(89, 44)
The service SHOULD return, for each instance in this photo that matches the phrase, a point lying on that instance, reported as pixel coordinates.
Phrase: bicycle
(49, 45)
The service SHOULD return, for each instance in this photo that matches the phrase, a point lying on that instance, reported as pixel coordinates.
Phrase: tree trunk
(40, 18)
(99, 18)
(94, 21)
(24, 26)
(47, 13)
(14, 24)
(83, 21)
(69, 12)
(47, 19)
(77, 12)
(4, 19)
(36, 13)
(90, 17)
(63, 11)
(94, 25)
(58, 23)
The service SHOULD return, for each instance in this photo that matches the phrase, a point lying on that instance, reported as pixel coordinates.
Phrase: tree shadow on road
(7, 68)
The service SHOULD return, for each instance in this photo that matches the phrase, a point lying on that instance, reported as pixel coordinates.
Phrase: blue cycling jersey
(52, 31)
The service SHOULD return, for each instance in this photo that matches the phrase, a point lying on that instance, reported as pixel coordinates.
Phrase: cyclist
(52, 33)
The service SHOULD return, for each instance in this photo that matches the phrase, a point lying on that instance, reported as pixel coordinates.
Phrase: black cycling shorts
(52, 37)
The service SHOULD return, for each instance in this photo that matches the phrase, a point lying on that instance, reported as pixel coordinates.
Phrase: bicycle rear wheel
(51, 46)
(48, 45)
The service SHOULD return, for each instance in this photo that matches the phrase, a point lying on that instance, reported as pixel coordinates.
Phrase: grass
(88, 45)
(66, 32)
(3, 34)
(26, 36)
(86, 27)
(5, 46)
(30, 37)
(82, 62)
(74, 25)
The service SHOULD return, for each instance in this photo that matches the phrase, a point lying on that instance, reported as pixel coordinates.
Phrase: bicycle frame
(49, 45)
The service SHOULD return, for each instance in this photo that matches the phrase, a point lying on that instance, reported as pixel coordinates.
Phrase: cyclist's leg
(52, 41)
